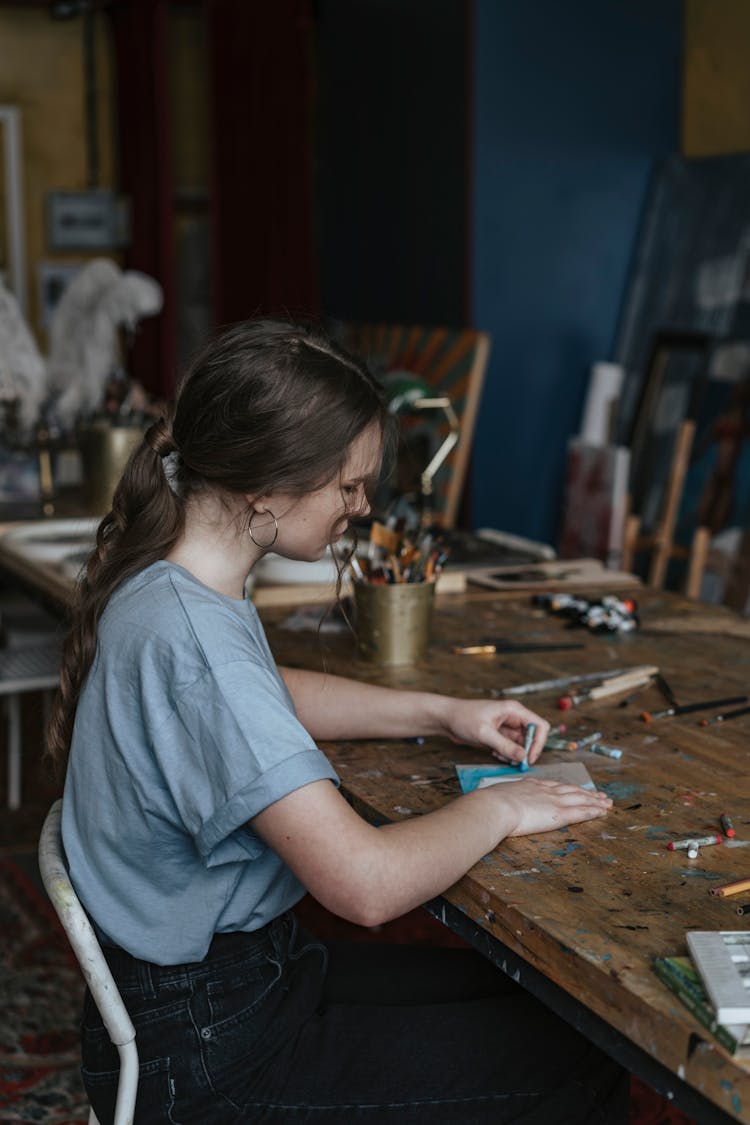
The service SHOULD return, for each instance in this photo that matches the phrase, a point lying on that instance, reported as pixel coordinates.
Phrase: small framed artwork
(87, 220)
(671, 393)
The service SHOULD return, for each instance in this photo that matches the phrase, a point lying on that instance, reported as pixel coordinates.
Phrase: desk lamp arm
(441, 403)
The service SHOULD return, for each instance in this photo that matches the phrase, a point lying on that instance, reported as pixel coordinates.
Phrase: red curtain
(262, 201)
(140, 45)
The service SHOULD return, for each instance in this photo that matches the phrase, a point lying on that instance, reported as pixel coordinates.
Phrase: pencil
(734, 888)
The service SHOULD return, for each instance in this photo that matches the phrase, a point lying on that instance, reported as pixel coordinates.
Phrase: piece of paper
(480, 776)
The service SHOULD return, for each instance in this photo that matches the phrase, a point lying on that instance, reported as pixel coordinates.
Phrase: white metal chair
(95, 969)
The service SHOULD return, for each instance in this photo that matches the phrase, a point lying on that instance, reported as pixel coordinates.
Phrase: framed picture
(671, 393)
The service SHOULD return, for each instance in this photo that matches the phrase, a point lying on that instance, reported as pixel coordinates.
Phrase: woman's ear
(256, 503)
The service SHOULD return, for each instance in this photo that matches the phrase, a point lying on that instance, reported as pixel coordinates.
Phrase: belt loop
(145, 979)
(279, 932)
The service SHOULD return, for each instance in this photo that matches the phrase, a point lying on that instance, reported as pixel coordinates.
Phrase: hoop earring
(264, 546)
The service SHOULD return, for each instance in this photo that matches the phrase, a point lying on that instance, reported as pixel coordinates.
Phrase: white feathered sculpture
(22, 367)
(83, 351)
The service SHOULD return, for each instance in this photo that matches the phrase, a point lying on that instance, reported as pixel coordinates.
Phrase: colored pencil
(734, 888)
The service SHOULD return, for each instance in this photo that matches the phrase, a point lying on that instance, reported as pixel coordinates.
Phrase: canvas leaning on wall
(596, 487)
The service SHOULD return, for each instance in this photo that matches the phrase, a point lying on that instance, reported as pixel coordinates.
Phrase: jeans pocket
(241, 1007)
(154, 1096)
(244, 1050)
(235, 995)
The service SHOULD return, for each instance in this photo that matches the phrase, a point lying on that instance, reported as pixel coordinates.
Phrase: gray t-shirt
(184, 731)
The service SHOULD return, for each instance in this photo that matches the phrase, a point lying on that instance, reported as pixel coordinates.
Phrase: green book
(681, 976)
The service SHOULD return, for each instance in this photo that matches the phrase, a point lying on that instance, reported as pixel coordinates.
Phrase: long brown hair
(266, 405)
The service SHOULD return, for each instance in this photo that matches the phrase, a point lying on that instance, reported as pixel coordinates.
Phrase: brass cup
(393, 622)
(104, 452)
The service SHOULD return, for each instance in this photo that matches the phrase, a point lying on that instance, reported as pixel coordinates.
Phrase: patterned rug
(41, 990)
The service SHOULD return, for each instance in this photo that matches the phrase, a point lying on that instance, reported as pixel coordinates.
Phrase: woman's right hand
(536, 805)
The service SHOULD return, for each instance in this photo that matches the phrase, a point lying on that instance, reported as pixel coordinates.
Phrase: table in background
(578, 914)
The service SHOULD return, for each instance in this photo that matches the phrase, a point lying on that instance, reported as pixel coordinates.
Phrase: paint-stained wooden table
(578, 914)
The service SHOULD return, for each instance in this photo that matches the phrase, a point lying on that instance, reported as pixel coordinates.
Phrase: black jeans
(275, 1027)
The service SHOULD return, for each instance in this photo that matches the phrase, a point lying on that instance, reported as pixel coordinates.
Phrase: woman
(198, 808)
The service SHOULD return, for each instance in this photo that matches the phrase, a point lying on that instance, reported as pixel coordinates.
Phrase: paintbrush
(690, 707)
(723, 718)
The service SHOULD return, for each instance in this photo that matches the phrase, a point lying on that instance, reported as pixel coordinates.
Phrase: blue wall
(573, 105)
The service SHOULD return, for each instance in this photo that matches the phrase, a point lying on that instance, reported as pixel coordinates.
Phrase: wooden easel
(661, 542)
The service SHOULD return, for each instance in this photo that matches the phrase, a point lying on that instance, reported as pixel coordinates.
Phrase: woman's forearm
(369, 875)
(333, 707)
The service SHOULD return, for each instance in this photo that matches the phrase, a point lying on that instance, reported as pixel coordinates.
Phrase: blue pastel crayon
(530, 732)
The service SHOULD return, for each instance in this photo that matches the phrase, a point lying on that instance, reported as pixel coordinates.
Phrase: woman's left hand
(499, 725)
